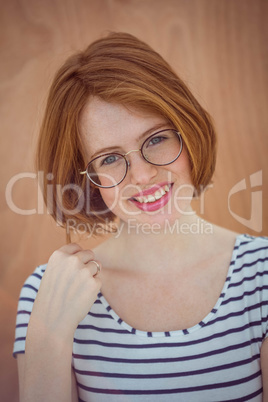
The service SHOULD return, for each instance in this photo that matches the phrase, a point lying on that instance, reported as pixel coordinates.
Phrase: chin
(164, 209)
(154, 221)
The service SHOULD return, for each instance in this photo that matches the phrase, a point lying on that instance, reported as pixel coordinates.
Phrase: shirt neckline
(186, 331)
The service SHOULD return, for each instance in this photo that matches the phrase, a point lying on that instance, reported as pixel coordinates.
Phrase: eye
(109, 160)
(157, 140)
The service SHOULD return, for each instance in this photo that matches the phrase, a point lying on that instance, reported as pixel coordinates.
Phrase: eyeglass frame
(134, 150)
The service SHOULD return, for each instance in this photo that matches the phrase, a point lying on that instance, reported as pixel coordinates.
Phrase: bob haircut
(124, 70)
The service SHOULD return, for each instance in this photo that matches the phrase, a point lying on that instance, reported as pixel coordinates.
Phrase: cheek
(115, 197)
(182, 167)
(110, 196)
(183, 190)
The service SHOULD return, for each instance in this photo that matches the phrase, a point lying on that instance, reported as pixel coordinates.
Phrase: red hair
(121, 69)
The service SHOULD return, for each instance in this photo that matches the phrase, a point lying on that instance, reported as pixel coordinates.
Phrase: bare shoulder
(216, 251)
(223, 239)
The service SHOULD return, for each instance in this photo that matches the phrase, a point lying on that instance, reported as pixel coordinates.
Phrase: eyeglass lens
(162, 148)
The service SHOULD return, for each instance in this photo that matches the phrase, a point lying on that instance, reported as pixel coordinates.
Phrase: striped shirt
(216, 360)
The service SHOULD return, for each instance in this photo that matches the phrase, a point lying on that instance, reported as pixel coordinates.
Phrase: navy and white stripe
(216, 360)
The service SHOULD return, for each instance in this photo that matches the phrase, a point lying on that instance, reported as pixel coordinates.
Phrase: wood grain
(218, 46)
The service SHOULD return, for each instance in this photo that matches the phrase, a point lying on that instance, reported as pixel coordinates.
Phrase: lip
(153, 206)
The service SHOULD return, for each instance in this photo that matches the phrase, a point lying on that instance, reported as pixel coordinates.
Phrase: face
(148, 194)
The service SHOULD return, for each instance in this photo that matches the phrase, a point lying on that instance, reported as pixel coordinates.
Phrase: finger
(95, 267)
(71, 248)
(85, 255)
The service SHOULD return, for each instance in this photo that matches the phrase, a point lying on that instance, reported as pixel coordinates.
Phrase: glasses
(160, 149)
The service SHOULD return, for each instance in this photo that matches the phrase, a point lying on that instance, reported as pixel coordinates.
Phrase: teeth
(153, 197)
(150, 198)
(158, 195)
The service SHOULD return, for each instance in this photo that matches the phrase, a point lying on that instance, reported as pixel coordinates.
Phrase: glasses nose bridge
(129, 152)
(132, 150)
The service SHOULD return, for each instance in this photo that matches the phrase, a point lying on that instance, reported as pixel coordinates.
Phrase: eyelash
(107, 157)
(161, 137)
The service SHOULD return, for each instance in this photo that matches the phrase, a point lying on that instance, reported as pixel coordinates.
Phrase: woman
(159, 311)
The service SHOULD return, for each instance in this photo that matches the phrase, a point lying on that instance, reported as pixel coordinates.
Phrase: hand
(68, 289)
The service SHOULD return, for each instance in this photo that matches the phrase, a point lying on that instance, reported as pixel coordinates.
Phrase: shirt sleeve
(25, 305)
(262, 281)
(265, 298)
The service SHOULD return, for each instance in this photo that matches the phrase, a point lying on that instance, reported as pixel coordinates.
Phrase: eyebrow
(147, 132)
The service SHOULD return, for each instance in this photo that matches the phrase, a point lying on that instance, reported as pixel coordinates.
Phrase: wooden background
(218, 46)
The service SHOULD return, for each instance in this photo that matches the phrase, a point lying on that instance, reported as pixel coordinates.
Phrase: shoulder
(32, 283)
(250, 259)
(25, 305)
(252, 248)
(37, 274)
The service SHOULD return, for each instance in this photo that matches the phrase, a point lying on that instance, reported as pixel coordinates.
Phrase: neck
(149, 246)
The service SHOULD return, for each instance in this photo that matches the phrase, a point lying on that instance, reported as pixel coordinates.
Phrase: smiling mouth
(154, 198)
(157, 195)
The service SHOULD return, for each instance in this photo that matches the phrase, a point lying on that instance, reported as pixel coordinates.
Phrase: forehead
(105, 124)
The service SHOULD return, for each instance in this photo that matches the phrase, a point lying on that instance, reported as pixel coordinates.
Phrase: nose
(139, 170)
